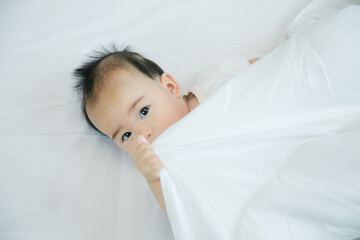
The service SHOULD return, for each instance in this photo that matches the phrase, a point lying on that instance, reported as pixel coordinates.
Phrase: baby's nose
(148, 135)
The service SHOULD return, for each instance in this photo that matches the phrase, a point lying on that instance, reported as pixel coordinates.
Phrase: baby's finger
(142, 149)
(145, 156)
(141, 139)
(154, 166)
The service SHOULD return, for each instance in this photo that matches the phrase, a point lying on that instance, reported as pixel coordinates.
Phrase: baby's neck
(191, 100)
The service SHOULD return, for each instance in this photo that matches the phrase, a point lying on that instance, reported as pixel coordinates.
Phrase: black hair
(91, 76)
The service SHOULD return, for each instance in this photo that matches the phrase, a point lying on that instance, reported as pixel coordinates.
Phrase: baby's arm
(157, 191)
(150, 165)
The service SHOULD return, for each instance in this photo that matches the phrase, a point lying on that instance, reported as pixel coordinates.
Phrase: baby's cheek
(165, 117)
(131, 149)
(171, 119)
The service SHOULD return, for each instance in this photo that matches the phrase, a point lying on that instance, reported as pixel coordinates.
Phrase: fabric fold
(230, 164)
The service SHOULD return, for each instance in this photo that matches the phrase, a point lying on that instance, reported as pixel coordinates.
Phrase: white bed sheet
(58, 178)
(274, 153)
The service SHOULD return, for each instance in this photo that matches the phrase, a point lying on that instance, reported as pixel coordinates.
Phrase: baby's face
(132, 104)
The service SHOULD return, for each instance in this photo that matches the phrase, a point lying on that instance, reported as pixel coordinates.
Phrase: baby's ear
(168, 83)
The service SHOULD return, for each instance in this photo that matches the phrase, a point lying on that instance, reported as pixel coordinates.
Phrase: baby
(132, 100)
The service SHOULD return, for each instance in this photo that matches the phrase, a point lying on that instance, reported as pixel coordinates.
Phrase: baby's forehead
(128, 82)
(122, 77)
(127, 78)
(113, 65)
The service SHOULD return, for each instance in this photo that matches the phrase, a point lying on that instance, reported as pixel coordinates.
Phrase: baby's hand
(146, 160)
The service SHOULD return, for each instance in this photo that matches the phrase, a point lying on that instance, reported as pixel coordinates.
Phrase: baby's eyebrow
(128, 112)
(134, 104)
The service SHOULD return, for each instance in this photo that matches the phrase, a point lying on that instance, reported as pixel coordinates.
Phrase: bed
(59, 179)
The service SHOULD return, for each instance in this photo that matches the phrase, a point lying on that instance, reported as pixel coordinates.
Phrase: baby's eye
(125, 136)
(144, 111)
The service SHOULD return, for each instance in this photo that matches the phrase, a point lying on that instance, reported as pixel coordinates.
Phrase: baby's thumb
(141, 139)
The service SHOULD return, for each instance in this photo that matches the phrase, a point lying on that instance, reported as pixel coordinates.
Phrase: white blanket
(274, 153)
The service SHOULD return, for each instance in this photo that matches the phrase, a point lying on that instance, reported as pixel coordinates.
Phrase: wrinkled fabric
(210, 80)
(273, 153)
